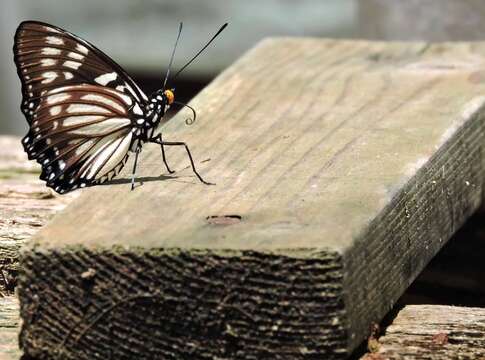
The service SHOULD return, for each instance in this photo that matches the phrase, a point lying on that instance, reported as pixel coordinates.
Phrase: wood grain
(350, 164)
(433, 332)
(9, 327)
(26, 203)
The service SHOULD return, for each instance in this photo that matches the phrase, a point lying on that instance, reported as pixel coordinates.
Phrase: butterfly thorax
(146, 120)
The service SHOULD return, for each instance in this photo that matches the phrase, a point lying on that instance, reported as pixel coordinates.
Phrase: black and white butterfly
(84, 111)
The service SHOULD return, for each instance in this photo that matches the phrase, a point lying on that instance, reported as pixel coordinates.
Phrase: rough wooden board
(25, 202)
(350, 163)
(9, 327)
(429, 332)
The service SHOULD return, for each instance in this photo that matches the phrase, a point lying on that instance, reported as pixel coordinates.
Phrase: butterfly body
(144, 127)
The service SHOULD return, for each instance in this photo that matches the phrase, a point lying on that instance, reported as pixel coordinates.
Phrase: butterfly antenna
(200, 51)
(172, 56)
(188, 121)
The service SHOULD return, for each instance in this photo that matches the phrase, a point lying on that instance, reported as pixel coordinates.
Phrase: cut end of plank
(171, 303)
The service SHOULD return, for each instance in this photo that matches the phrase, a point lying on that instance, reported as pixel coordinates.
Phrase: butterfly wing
(81, 135)
(48, 57)
(79, 103)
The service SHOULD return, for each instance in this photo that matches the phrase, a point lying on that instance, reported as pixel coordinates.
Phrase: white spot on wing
(50, 51)
(68, 75)
(72, 64)
(137, 110)
(127, 99)
(61, 89)
(55, 110)
(52, 99)
(104, 100)
(106, 78)
(49, 77)
(77, 120)
(85, 108)
(107, 125)
(50, 29)
(62, 164)
(54, 40)
(75, 55)
(84, 147)
(48, 62)
(82, 49)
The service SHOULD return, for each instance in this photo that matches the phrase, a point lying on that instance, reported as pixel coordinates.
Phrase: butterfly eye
(170, 96)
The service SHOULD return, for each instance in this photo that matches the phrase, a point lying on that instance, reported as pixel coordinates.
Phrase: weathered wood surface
(26, 204)
(432, 332)
(350, 165)
(9, 328)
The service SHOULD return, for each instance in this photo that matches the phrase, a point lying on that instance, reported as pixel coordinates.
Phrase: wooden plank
(349, 164)
(433, 332)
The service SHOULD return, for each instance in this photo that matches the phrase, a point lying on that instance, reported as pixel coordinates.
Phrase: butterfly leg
(159, 140)
(179, 143)
(138, 150)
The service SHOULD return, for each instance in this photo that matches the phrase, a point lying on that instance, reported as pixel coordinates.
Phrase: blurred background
(139, 34)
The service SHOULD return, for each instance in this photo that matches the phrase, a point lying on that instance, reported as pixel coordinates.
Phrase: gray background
(139, 34)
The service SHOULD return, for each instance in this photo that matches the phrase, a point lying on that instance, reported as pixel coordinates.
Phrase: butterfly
(85, 113)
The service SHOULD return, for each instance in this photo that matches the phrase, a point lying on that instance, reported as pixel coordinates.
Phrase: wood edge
(357, 275)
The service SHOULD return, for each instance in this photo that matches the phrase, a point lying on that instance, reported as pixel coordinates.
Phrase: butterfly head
(164, 98)
(160, 102)
(169, 96)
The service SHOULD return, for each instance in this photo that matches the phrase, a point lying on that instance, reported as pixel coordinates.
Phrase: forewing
(48, 57)
(80, 135)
